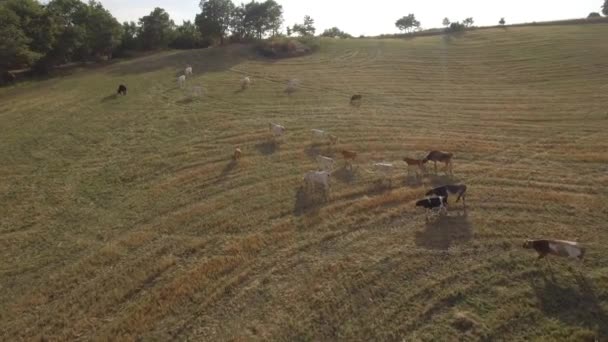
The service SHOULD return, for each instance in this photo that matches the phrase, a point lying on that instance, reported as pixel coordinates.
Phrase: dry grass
(126, 219)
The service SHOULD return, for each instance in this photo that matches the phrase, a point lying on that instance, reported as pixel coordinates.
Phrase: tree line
(42, 36)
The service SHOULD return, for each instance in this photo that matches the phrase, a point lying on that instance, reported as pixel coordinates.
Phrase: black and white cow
(436, 205)
(122, 89)
(562, 248)
(446, 190)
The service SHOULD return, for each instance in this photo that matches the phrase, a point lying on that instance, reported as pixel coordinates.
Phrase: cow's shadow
(228, 168)
(344, 174)
(574, 303)
(110, 98)
(440, 180)
(268, 147)
(307, 203)
(444, 231)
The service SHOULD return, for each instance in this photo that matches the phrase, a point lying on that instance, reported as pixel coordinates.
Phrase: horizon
(381, 18)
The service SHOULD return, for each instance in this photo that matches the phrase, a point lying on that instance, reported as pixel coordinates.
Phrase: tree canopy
(307, 28)
(335, 32)
(407, 23)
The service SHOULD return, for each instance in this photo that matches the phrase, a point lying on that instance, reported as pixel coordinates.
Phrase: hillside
(124, 218)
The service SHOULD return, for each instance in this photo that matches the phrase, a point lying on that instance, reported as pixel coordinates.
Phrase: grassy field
(125, 218)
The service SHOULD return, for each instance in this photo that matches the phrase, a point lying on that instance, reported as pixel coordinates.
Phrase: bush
(593, 15)
(287, 47)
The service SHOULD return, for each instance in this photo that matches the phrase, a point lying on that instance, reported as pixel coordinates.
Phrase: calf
(325, 163)
(436, 205)
(276, 130)
(122, 90)
(419, 163)
(237, 153)
(349, 157)
(443, 157)
(446, 190)
(356, 99)
(562, 248)
(181, 81)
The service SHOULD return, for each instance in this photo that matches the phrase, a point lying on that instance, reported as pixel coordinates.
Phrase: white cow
(276, 130)
(245, 82)
(325, 163)
(318, 134)
(188, 71)
(181, 81)
(315, 179)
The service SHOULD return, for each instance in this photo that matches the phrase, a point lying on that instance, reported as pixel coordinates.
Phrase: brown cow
(414, 163)
(443, 157)
(237, 153)
(349, 157)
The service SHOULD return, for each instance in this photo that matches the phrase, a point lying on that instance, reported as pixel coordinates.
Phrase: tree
(215, 18)
(335, 32)
(157, 30)
(305, 29)
(288, 31)
(407, 23)
(468, 22)
(103, 32)
(605, 7)
(130, 32)
(187, 36)
(593, 15)
(14, 43)
(502, 21)
(446, 22)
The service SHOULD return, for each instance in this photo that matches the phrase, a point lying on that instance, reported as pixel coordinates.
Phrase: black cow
(435, 204)
(122, 89)
(356, 99)
(446, 190)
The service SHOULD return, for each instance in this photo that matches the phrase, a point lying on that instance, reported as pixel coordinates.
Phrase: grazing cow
(237, 153)
(314, 179)
(562, 248)
(122, 90)
(276, 130)
(318, 134)
(292, 86)
(443, 157)
(356, 99)
(181, 81)
(446, 190)
(188, 71)
(414, 162)
(325, 163)
(349, 157)
(245, 82)
(436, 205)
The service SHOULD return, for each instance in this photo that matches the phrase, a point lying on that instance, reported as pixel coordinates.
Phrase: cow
(276, 130)
(443, 157)
(414, 163)
(318, 134)
(436, 205)
(349, 157)
(181, 81)
(237, 153)
(122, 90)
(446, 190)
(188, 71)
(561, 248)
(325, 163)
(245, 82)
(356, 99)
(314, 179)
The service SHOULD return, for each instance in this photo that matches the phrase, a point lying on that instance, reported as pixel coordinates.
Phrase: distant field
(125, 219)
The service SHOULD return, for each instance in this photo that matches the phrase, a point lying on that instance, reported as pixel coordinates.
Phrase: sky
(378, 16)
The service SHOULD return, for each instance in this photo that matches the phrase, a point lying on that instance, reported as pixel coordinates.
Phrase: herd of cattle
(436, 200)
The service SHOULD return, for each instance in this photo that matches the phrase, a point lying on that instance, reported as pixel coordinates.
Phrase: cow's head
(527, 244)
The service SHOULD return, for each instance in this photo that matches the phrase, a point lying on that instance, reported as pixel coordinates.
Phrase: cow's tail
(462, 193)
